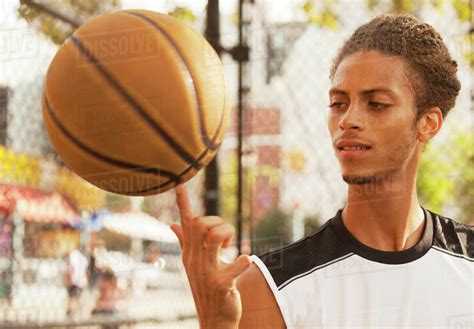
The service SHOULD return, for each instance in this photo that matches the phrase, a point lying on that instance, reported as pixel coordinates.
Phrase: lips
(352, 145)
(352, 148)
(349, 148)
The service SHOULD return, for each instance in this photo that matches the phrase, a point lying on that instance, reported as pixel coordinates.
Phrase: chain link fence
(292, 172)
(54, 225)
(292, 183)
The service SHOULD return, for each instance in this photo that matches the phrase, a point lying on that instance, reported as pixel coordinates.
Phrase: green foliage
(273, 231)
(321, 13)
(445, 175)
(55, 29)
(80, 11)
(463, 160)
(117, 203)
(462, 7)
(184, 14)
(433, 184)
(115, 241)
(228, 188)
(311, 224)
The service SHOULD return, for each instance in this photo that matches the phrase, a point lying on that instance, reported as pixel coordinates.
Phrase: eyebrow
(363, 92)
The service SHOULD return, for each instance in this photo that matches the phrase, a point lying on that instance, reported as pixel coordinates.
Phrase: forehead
(371, 68)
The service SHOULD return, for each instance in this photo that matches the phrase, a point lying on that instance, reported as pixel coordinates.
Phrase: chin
(369, 178)
(359, 179)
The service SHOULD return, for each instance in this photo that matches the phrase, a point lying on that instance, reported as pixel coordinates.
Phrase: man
(382, 260)
(75, 279)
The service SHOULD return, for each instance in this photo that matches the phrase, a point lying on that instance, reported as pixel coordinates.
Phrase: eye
(337, 105)
(378, 106)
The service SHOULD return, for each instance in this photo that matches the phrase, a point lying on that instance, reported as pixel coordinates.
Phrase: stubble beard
(395, 162)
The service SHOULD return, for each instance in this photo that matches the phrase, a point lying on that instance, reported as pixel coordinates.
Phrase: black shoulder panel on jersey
(452, 236)
(304, 256)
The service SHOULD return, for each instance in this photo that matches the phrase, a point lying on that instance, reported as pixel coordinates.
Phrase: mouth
(353, 148)
(351, 152)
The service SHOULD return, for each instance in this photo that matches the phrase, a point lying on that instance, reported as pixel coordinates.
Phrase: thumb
(178, 231)
(239, 266)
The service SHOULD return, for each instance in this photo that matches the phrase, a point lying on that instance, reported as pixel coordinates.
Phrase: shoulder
(453, 236)
(259, 306)
(303, 256)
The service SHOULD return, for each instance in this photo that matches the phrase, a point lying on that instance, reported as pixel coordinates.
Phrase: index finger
(182, 200)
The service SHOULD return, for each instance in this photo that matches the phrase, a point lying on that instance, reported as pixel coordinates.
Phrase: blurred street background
(275, 177)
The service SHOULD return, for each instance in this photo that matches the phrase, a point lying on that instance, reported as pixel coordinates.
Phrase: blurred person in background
(109, 295)
(153, 254)
(6, 271)
(95, 265)
(75, 280)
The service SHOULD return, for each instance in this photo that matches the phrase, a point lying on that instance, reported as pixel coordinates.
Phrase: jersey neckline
(380, 256)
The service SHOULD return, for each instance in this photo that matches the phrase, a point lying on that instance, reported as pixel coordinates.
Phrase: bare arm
(259, 307)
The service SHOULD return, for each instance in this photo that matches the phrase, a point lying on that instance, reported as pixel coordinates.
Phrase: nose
(353, 118)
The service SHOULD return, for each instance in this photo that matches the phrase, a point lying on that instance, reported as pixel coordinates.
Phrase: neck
(385, 215)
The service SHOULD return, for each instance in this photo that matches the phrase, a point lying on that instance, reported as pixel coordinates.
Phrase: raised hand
(213, 282)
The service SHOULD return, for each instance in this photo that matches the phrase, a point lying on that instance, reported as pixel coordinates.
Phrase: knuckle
(230, 228)
(216, 219)
(212, 220)
(213, 236)
(196, 223)
(222, 283)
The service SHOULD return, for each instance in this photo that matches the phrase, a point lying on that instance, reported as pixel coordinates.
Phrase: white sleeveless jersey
(331, 280)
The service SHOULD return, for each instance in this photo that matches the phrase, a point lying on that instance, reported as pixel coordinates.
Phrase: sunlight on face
(372, 104)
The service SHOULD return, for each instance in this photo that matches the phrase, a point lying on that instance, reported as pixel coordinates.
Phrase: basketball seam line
(203, 154)
(138, 109)
(205, 139)
(92, 152)
(173, 177)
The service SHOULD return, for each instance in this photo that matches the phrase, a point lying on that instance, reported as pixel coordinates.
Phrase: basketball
(135, 102)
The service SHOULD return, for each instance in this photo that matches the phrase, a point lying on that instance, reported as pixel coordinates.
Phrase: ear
(429, 124)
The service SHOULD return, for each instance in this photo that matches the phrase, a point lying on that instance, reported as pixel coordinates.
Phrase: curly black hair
(431, 70)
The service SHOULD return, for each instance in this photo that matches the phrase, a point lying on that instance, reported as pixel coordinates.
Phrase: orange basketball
(136, 102)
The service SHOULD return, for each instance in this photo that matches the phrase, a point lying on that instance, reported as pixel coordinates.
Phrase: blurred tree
(117, 203)
(447, 178)
(433, 183)
(273, 231)
(59, 22)
(228, 188)
(184, 14)
(462, 161)
(462, 7)
(321, 13)
(115, 241)
(311, 224)
(395, 6)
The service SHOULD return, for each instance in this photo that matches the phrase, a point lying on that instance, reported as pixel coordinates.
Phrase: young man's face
(372, 105)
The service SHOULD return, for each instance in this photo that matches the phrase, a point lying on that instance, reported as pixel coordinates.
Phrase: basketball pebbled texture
(136, 102)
